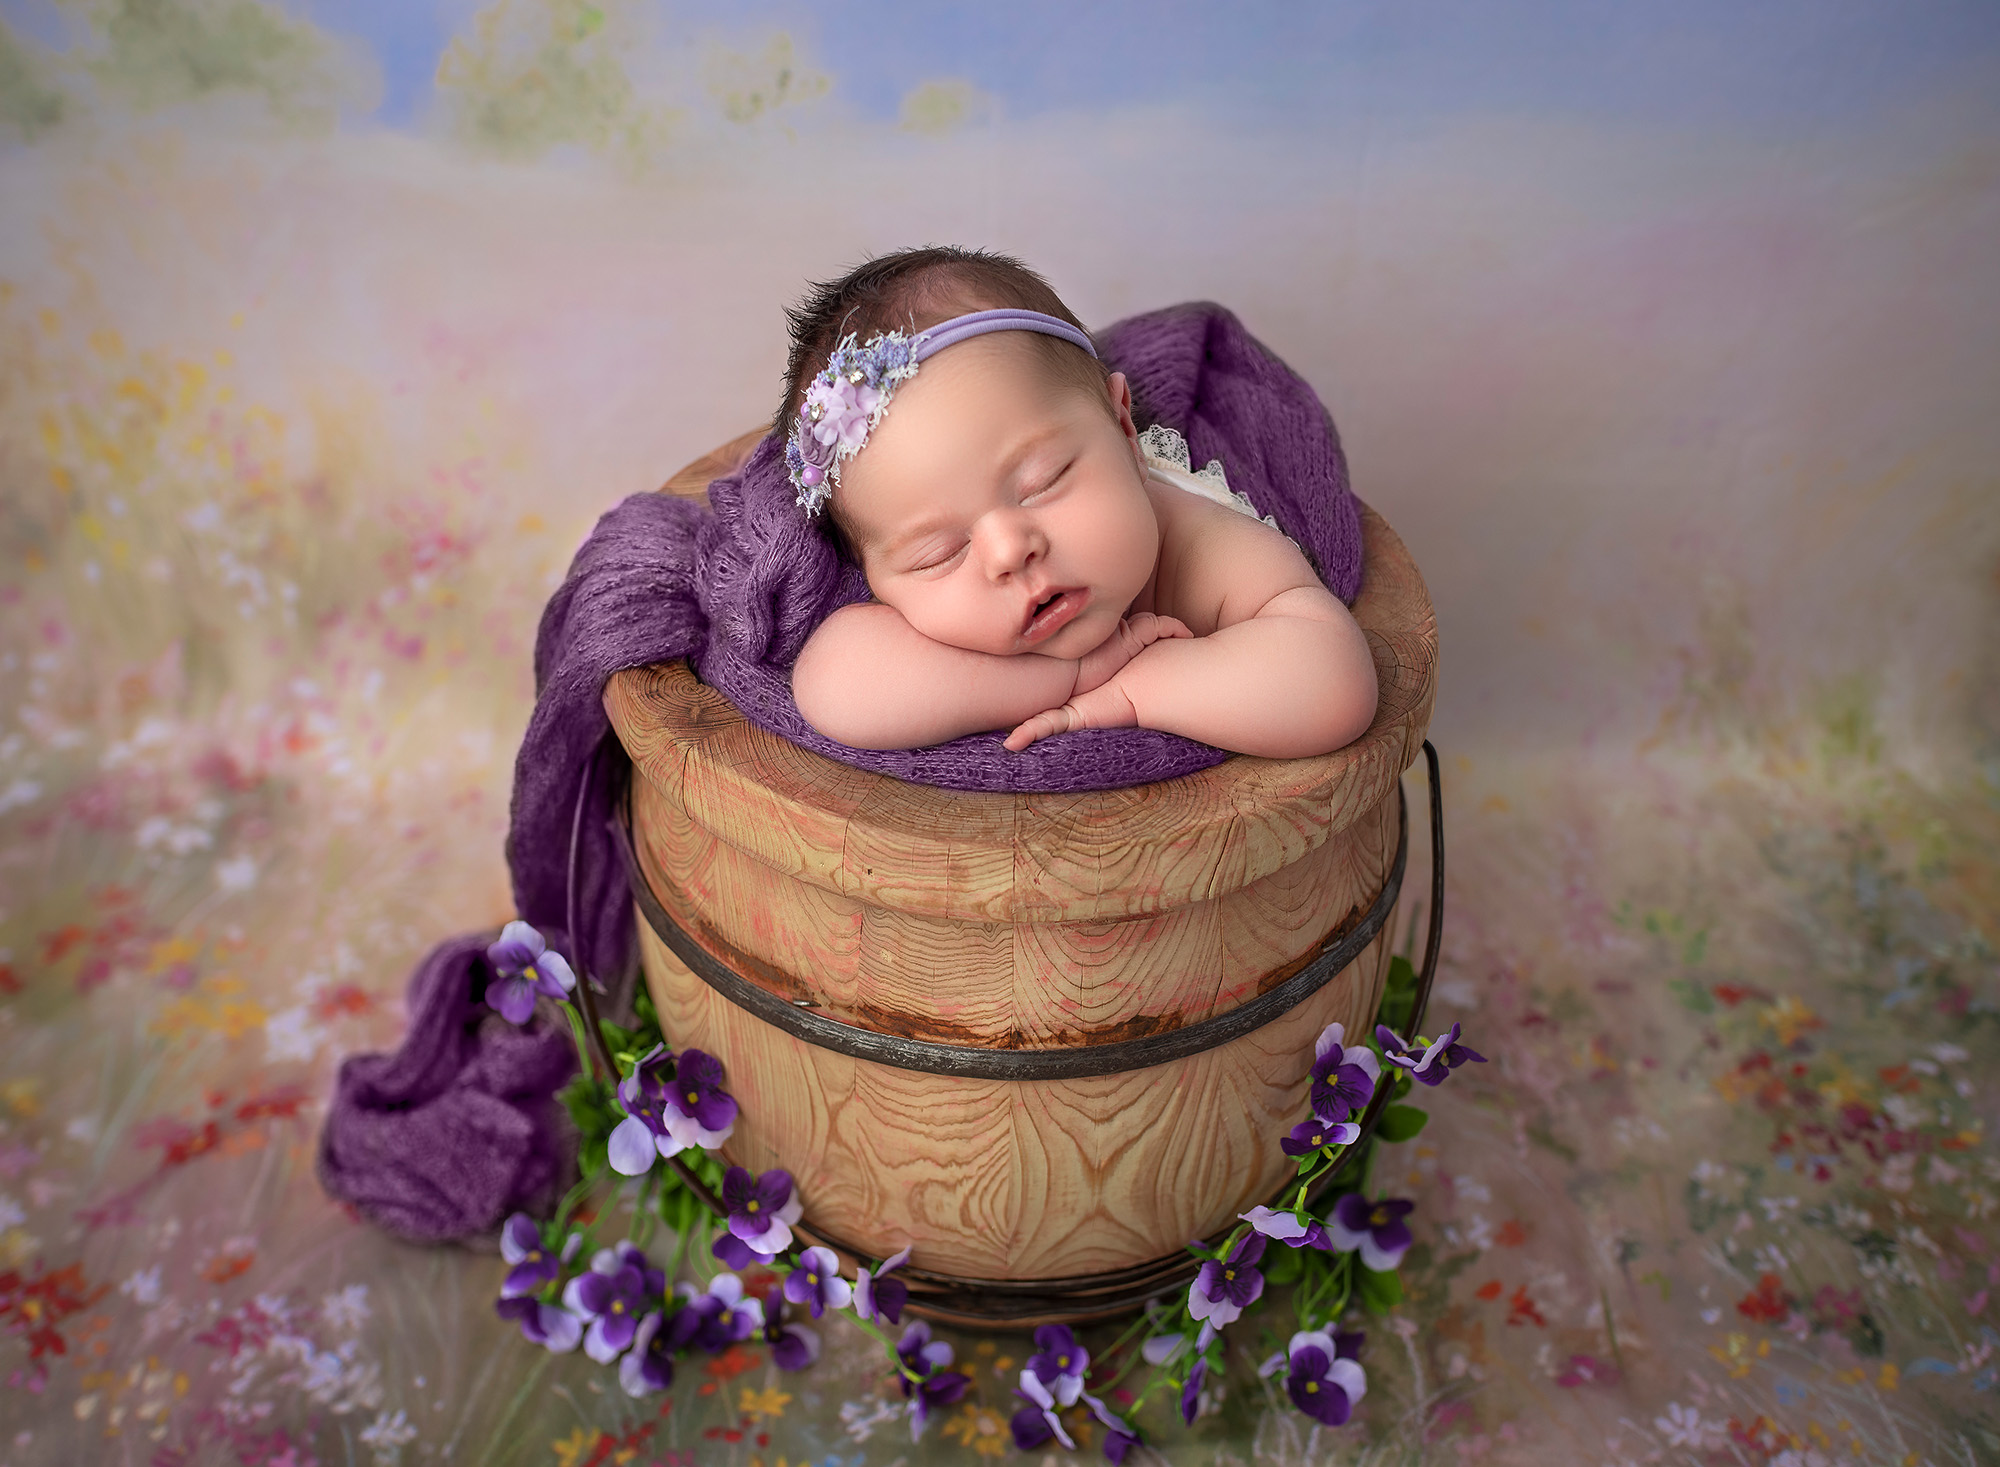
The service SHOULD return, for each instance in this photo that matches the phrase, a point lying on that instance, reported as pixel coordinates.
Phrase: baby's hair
(908, 291)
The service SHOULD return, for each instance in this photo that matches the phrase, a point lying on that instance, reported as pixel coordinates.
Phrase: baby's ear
(1121, 403)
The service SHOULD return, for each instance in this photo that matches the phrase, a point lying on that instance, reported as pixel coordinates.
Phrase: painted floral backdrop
(315, 374)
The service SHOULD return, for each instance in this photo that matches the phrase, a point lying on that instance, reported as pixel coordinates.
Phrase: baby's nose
(1014, 543)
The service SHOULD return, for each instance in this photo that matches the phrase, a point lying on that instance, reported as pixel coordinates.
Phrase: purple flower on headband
(837, 413)
(523, 966)
(1224, 1289)
(1438, 1058)
(1343, 1077)
(1377, 1229)
(816, 1282)
(878, 1296)
(762, 1209)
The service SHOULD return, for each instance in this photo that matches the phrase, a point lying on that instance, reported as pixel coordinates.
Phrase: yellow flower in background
(1790, 1018)
(768, 1403)
(980, 1429)
(573, 1448)
(23, 1097)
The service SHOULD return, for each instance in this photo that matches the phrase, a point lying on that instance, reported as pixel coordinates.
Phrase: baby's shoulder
(1217, 565)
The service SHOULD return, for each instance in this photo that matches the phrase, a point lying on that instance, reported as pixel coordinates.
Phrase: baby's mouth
(1054, 612)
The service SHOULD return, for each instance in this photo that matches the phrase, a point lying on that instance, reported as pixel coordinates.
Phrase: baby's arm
(871, 680)
(1284, 674)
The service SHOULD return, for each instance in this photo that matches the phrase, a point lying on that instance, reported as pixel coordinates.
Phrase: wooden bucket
(940, 975)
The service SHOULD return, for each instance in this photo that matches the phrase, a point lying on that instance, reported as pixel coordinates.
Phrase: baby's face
(1001, 508)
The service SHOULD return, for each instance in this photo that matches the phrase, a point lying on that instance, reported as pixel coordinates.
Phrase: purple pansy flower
(642, 1135)
(1037, 1421)
(816, 1282)
(548, 1325)
(534, 1265)
(879, 1296)
(523, 966)
(612, 1295)
(1343, 1076)
(649, 1365)
(1437, 1059)
(698, 1111)
(1287, 1229)
(761, 1209)
(721, 1316)
(793, 1346)
(733, 1252)
(1223, 1290)
(1309, 1136)
(1120, 1435)
(1325, 1382)
(1060, 1363)
(1376, 1228)
(1191, 1391)
(926, 1359)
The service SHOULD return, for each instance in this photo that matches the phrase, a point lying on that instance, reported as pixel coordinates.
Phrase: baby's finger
(1041, 726)
(1172, 627)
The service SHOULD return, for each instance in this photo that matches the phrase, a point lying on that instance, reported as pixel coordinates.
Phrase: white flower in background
(20, 792)
(388, 1436)
(1683, 1426)
(238, 873)
(293, 1034)
(347, 1309)
(143, 1288)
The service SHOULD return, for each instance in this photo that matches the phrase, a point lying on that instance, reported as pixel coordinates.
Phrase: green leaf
(1283, 1269)
(1401, 1122)
(1380, 1292)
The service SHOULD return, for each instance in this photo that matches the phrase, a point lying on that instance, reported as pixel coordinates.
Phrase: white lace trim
(1167, 452)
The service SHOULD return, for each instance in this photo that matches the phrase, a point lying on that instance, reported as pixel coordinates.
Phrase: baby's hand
(1134, 635)
(1097, 702)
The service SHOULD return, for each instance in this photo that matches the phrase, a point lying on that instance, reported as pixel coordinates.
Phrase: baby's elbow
(1346, 711)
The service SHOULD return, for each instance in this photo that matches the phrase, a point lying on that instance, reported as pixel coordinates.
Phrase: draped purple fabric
(737, 587)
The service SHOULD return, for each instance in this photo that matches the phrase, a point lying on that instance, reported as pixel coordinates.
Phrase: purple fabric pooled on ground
(419, 1141)
(457, 1128)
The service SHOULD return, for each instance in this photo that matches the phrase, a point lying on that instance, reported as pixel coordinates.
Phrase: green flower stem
(570, 1202)
(889, 1345)
(643, 1211)
(584, 1056)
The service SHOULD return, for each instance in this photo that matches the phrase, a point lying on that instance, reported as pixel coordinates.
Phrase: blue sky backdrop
(1773, 63)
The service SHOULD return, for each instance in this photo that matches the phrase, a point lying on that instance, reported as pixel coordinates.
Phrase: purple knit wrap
(737, 588)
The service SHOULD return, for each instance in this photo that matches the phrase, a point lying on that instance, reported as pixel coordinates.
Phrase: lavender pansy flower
(1325, 1382)
(1287, 1229)
(816, 1282)
(761, 1209)
(1060, 1363)
(1221, 1291)
(1343, 1076)
(1377, 1229)
(534, 1265)
(1037, 1421)
(735, 1253)
(697, 1111)
(523, 966)
(548, 1325)
(878, 1296)
(643, 1135)
(1428, 1060)
(1309, 1136)
(933, 1385)
(734, 1316)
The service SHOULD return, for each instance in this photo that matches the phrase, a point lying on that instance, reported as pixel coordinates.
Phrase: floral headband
(852, 394)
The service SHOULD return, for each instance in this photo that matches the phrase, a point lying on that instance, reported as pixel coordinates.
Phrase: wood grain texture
(1017, 921)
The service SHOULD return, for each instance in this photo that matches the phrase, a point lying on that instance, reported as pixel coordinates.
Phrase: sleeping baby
(1036, 563)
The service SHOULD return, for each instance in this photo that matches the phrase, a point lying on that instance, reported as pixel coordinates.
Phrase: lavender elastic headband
(852, 394)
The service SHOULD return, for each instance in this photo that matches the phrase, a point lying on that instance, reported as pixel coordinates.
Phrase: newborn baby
(1033, 568)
